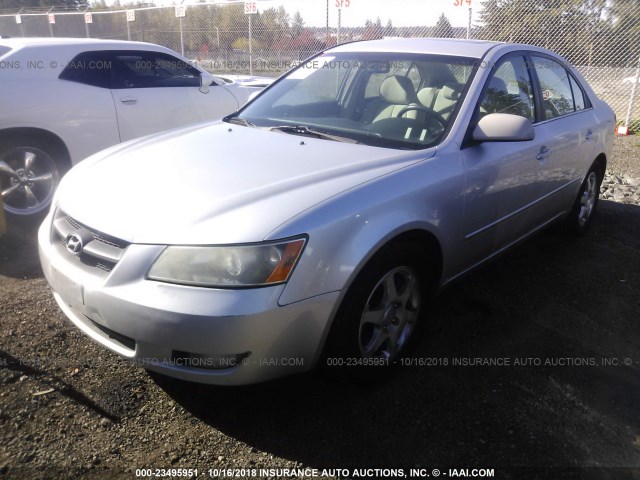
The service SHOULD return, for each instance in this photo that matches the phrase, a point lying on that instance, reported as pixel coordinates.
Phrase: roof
(17, 42)
(440, 46)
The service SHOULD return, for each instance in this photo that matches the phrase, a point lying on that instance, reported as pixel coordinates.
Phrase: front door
(154, 91)
(502, 178)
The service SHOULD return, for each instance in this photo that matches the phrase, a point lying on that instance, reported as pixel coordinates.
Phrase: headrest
(451, 91)
(397, 90)
(497, 84)
(426, 95)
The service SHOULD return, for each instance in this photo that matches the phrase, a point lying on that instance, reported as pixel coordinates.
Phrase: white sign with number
(250, 8)
(131, 15)
(52, 18)
(18, 19)
(88, 17)
(181, 11)
(340, 4)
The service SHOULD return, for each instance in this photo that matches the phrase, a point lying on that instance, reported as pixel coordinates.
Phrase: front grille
(97, 249)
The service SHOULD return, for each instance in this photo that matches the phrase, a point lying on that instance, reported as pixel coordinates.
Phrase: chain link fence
(600, 37)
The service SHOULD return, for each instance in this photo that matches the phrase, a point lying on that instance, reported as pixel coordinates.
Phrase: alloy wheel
(390, 314)
(28, 178)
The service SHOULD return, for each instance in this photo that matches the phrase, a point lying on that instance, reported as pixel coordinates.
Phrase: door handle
(544, 154)
(589, 135)
(128, 100)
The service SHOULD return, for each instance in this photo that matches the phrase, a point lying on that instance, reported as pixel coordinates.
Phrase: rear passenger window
(89, 68)
(578, 96)
(557, 97)
(509, 90)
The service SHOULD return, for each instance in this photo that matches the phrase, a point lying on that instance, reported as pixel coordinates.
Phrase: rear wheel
(30, 171)
(378, 320)
(586, 202)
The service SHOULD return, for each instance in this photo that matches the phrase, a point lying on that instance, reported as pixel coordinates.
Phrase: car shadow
(523, 363)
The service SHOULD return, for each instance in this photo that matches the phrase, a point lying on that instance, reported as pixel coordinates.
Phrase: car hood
(216, 183)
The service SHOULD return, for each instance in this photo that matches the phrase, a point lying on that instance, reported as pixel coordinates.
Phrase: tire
(586, 203)
(30, 170)
(380, 316)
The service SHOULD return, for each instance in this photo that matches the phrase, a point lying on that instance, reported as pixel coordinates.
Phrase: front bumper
(155, 324)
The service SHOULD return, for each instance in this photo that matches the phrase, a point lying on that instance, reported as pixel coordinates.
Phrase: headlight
(228, 266)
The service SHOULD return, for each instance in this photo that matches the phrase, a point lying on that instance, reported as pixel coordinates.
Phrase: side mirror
(206, 80)
(504, 127)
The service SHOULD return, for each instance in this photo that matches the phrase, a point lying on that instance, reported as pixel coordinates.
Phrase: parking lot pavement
(532, 361)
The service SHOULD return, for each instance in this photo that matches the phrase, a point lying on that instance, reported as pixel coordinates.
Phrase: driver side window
(147, 69)
(509, 90)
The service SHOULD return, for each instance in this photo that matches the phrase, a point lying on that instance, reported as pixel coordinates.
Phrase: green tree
(297, 25)
(624, 33)
(389, 31)
(372, 31)
(443, 28)
(67, 4)
(273, 26)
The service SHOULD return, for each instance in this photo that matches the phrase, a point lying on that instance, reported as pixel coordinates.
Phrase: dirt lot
(561, 316)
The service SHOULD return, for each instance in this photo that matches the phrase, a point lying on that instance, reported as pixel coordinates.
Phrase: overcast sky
(403, 13)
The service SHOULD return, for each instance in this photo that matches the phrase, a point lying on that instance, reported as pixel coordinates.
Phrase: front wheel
(390, 314)
(377, 321)
(29, 175)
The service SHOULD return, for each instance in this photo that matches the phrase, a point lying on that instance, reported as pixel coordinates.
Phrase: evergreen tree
(443, 28)
(297, 25)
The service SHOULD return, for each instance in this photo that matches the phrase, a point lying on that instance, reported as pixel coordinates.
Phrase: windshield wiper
(238, 121)
(304, 130)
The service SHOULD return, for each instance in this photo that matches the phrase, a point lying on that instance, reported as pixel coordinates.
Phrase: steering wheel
(430, 113)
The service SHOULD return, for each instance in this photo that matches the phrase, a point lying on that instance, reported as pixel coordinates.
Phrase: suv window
(557, 98)
(141, 69)
(509, 90)
(89, 68)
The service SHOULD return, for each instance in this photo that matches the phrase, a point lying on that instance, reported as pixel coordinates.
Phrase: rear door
(155, 91)
(571, 127)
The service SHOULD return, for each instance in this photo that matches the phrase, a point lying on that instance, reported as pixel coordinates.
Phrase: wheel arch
(429, 245)
(425, 241)
(50, 138)
(601, 163)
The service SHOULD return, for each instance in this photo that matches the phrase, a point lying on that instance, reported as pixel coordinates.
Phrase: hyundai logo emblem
(74, 243)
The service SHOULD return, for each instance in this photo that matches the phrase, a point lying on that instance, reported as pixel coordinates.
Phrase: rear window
(89, 68)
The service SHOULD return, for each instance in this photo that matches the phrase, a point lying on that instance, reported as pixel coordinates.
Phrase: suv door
(502, 178)
(155, 91)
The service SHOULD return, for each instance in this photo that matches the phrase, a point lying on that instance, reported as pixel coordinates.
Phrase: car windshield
(395, 100)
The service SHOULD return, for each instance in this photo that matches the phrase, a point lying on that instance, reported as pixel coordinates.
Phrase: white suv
(65, 99)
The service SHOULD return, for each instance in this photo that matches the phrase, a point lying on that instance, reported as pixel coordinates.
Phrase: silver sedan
(314, 225)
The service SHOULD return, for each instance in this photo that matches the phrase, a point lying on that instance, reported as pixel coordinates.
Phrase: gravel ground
(562, 315)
